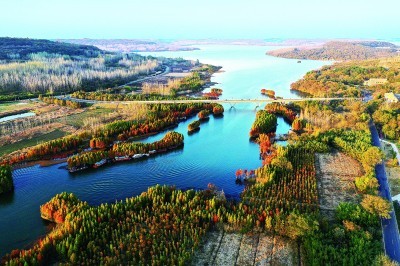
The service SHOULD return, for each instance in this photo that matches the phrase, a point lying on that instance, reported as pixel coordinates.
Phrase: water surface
(13, 117)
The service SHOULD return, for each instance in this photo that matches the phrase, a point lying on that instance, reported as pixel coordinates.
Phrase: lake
(211, 155)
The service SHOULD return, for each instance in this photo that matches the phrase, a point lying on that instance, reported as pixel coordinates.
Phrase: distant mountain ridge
(339, 50)
(20, 48)
(132, 45)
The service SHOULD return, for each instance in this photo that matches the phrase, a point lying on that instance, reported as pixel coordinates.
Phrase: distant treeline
(21, 48)
(341, 51)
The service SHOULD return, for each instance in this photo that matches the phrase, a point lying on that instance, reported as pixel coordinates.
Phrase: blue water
(211, 155)
(12, 117)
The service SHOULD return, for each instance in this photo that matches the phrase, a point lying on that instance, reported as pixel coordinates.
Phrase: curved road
(396, 150)
(390, 230)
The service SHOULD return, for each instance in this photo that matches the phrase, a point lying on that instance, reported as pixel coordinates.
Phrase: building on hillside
(390, 97)
(373, 82)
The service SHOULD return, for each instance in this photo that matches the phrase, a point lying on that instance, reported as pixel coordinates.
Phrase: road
(228, 101)
(166, 71)
(396, 150)
(389, 226)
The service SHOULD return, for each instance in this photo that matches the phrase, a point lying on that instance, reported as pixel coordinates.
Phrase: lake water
(12, 117)
(211, 155)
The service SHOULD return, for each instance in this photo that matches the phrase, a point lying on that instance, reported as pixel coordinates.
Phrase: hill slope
(20, 48)
(336, 50)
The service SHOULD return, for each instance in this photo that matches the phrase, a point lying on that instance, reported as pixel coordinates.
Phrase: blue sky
(170, 19)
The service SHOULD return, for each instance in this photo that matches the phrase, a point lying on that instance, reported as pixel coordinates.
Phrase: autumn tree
(376, 205)
(297, 125)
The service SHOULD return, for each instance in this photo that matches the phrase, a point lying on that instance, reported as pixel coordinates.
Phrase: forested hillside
(336, 50)
(347, 78)
(21, 48)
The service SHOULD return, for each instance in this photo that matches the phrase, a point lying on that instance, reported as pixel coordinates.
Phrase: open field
(78, 120)
(336, 173)
(223, 248)
(15, 106)
(31, 142)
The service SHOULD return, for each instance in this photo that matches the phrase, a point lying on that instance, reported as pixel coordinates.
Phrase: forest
(21, 48)
(346, 79)
(54, 73)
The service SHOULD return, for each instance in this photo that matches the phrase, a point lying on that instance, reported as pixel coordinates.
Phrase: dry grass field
(336, 173)
(223, 248)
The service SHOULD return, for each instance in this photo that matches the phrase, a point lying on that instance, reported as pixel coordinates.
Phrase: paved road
(166, 71)
(228, 101)
(389, 226)
(396, 150)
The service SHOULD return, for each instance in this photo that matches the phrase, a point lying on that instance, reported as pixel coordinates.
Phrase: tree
(297, 125)
(376, 205)
(367, 183)
(299, 225)
(383, 260)
(371, 157)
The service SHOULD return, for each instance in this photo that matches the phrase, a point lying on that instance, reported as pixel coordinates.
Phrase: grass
(77, 120)
(394, 179)
(12, 106)
(31, 142)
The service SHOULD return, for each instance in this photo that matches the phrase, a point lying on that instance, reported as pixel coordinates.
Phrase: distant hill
(20, 48)
(343, 51)
(132, 45)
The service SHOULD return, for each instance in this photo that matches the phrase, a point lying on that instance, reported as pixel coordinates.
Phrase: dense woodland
(342, 51)
(52, 73)
(21, 49)
(347, 79)
(387, 119)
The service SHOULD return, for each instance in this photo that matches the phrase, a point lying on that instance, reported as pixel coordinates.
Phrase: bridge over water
(227, 101)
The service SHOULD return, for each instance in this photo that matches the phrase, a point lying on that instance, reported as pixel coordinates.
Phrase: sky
(199, 19)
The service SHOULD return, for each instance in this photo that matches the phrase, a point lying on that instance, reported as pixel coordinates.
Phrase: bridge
(227, 101)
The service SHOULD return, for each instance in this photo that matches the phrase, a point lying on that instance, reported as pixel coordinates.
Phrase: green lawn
(31, 142)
